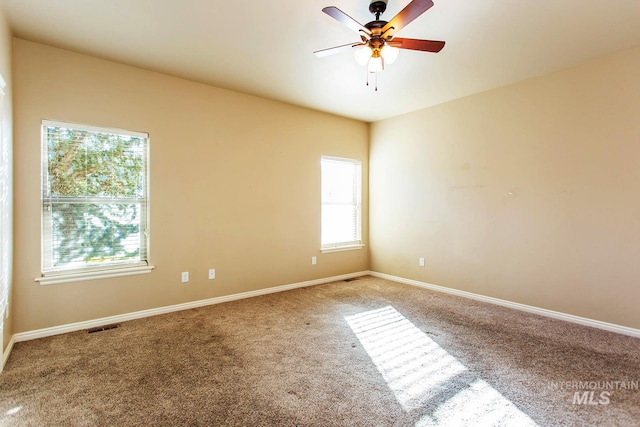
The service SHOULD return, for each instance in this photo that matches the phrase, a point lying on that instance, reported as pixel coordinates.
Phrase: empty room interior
(219, 213)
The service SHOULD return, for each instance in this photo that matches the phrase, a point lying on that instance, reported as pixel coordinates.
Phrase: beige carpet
(367, 352)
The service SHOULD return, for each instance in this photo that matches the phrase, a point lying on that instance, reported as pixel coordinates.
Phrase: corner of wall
(7, 352)
(6, 186)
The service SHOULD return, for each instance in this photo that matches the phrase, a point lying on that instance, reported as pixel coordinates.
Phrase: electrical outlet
(313, 260)
(212, 273)
(185, 276)
(421, 262)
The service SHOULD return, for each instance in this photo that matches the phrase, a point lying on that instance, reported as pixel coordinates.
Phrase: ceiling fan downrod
(377, 7)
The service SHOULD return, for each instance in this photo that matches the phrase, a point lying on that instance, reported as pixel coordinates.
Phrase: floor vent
(102, 328)
(351, 279)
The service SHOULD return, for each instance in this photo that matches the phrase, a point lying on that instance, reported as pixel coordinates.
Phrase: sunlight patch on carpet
(8, 414)
(13, 411)
(418, 370)
(478, 404)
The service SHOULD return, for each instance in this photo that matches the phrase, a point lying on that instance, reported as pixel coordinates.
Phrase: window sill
(341, 248)
(55, 279)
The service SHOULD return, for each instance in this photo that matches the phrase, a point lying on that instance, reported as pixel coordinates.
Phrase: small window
(94, 200)
(341, 199)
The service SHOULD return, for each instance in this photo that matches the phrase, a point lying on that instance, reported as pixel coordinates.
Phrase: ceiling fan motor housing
(376, 40)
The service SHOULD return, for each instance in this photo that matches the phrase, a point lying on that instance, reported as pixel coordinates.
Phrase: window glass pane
(93, 164)
(338, 180)
(339, 223)
(93, 234)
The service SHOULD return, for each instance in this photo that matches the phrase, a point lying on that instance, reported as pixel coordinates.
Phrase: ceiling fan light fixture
(376, 64)
(362, 55)
(390, 54)
(374, 49)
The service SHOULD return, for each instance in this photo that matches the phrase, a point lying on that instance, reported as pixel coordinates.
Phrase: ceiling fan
(378, 43)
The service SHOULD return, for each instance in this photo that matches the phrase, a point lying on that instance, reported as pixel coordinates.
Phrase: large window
(341, 199)
(94, 202)
(5, 216)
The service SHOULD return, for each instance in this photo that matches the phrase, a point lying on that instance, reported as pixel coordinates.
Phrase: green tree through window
(94, 197)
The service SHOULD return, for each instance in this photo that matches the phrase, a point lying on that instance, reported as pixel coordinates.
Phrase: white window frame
(356, 242)
(52, 276)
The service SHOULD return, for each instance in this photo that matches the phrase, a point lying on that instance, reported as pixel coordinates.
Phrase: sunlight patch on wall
(418, 371)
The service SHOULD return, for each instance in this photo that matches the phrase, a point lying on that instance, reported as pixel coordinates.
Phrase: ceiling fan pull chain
(376, 82)
(367, 71)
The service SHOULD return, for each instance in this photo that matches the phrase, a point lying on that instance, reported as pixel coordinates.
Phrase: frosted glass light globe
(362, 55)
(375, 65)
(390, 54)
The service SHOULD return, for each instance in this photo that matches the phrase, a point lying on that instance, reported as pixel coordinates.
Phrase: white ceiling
(265, 48)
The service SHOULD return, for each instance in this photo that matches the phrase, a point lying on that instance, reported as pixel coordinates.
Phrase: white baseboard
(7, 352)
(72, 327)
(624, 330)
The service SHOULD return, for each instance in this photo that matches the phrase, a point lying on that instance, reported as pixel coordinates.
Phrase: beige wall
(529, 193)
(235, 185)
(6, 245)
(526, 193)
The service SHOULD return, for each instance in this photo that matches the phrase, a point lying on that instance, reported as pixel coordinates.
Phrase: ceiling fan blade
(406, 15)
(336, 49)
(345, 19)
(417, 44)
